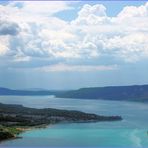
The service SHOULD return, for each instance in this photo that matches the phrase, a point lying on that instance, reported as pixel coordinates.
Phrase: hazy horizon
(37, 88)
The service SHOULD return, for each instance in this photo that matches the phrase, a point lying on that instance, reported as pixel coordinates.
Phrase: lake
(131, 132)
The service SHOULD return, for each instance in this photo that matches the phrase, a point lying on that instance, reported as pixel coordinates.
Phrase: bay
(131, 132)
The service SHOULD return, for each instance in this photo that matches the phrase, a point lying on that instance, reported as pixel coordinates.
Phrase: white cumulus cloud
(31, 30)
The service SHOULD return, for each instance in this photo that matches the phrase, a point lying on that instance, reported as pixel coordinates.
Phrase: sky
(69, 45)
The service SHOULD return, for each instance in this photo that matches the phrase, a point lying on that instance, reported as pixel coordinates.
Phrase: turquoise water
(131, 132)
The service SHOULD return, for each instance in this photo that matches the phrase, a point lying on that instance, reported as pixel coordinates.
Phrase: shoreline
(20, 130)
(15, 119)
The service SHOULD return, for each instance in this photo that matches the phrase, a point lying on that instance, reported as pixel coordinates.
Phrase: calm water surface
(131, 132)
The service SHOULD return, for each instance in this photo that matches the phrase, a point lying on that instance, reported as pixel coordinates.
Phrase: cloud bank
(30, 31)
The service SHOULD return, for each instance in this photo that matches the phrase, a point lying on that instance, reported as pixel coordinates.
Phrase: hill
(20, 115)
(126, 93)
(6, 91)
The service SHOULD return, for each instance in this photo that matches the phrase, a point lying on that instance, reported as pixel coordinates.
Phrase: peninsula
(14, 118)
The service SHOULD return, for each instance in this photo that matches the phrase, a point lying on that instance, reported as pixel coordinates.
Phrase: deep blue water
(131, 132)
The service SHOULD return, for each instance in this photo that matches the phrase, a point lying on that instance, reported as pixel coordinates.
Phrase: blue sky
(113, 8)
(69, 45)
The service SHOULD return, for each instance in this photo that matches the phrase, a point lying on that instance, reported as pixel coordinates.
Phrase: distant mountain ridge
(6, 91)
(125, 93)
